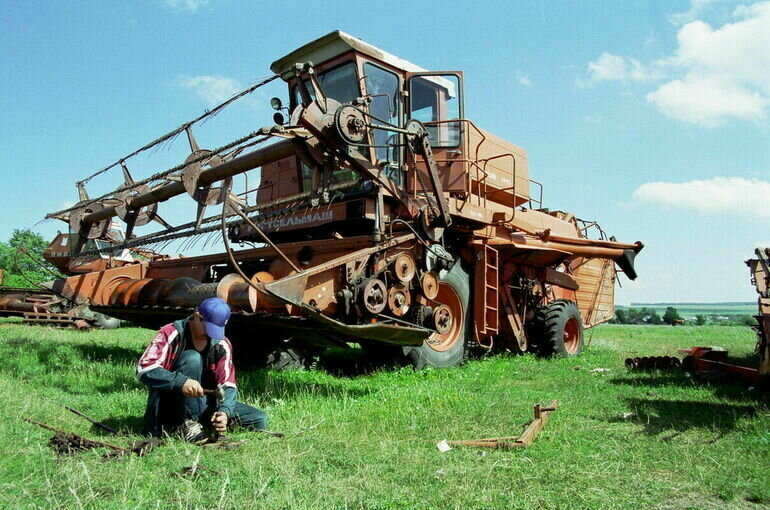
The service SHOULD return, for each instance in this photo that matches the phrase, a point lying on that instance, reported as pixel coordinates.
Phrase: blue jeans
(169, 409)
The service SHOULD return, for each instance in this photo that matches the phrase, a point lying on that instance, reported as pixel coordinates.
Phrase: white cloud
(523, 79)
(185, 5)
(720, 195)
(609, 67)
(697, 8)
(213, 89)
(708, 100)
(714, 75)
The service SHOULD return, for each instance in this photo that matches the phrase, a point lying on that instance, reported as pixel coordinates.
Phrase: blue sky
(650, 117)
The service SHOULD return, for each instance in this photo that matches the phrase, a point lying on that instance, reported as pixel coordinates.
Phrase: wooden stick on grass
(76, 436)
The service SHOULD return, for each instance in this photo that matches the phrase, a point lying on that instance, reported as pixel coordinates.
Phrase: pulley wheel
(429, 284)
(399, 299)
(415, 127)
(350, 123)
(404, 267)
(373, 296)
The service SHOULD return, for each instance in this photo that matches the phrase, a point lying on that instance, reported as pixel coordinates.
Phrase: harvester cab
(383, 217)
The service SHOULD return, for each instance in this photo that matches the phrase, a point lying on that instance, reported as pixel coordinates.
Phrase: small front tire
(558, 329)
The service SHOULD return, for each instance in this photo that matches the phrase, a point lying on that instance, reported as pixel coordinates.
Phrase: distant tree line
(636, 316)
(671, 316)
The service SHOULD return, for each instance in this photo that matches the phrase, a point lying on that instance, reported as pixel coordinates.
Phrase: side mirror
(276, 103)
(279, 119)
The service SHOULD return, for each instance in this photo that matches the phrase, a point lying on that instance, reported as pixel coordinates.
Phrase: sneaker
(192, 431)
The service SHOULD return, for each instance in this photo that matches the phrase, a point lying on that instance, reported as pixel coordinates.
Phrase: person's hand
(192, 388)
(219, 421)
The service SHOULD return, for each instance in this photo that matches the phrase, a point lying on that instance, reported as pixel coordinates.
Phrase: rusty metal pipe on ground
(16, 305)
(238, 165)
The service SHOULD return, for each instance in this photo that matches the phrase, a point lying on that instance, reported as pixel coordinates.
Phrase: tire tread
(549, 329)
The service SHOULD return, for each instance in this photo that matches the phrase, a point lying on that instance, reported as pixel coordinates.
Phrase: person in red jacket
(183, 358)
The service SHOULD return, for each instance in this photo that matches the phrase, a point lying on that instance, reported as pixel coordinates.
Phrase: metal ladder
(487, 316)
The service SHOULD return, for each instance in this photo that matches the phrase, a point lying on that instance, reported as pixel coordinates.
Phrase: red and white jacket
(156, 366)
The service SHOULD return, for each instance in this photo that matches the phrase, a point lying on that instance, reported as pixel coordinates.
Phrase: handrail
(463, 141)
(479, 167)
(513, 187)
(540, 200)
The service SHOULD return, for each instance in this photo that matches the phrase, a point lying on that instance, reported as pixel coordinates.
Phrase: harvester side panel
(506, 168)
(279, 179)
(596, 293)
(483, 164)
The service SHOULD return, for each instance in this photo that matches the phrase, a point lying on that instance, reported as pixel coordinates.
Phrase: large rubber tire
(449, 350)
(558, 329)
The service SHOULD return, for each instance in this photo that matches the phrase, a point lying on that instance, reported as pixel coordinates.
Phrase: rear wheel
(558, 329)
(447, 348)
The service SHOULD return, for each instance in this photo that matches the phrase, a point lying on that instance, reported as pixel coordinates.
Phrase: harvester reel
(95, 230)
(141, 217)
(351, 124)
(204, 195)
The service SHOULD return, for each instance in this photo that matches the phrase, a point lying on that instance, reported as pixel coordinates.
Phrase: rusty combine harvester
(383, 217)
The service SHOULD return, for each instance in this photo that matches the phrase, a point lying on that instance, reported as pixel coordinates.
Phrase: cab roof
(334, 44)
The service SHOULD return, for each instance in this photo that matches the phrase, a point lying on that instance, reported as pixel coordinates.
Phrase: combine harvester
(383, 217)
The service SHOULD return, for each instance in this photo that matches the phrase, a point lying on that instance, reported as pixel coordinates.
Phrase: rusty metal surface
(523, 440)
(653, 363)
(357, 237)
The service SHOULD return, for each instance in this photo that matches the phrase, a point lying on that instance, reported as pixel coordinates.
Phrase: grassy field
(617, 440)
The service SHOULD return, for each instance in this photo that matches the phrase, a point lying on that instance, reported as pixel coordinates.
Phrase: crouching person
(184, 358)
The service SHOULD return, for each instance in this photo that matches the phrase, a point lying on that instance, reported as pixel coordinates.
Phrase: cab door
(436, 100)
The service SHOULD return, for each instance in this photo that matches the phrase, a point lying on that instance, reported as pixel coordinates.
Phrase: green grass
(368, 441)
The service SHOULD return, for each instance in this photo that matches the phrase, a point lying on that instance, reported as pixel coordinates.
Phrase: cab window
(382, 87)
(339, 83)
